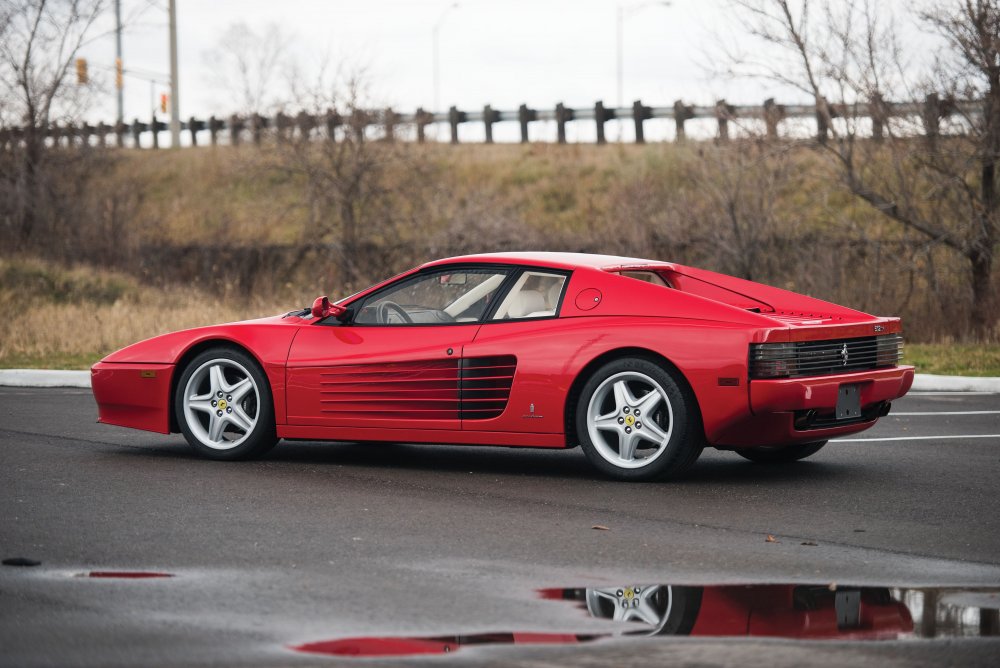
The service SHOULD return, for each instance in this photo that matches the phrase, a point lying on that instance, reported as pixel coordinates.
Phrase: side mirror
(322, 308)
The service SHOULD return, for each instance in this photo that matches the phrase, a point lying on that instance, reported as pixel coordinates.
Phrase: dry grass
(70, 318)
(240, 192)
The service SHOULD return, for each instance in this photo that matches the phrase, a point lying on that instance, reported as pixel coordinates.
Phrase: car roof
(554, 260)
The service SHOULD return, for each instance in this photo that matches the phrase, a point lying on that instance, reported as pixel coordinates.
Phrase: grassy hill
(139, 242)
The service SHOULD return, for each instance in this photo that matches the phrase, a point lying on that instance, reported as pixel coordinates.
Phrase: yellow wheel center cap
(629, 594)
(630, 420)
(222, 404)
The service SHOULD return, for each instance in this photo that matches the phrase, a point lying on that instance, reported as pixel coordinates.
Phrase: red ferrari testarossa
(642, 363)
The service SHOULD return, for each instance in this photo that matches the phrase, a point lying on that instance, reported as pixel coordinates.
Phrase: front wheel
(636, 422)
(780, 454)
(224, 407)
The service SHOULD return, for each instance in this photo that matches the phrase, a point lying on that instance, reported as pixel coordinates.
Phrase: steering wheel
(384, 309)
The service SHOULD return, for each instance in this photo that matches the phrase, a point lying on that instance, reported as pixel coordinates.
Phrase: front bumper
(133, 395)
(778, 408)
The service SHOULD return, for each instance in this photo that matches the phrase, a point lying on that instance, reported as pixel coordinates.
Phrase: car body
(545, 350)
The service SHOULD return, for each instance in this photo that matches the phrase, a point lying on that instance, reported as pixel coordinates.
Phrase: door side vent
(484, 386)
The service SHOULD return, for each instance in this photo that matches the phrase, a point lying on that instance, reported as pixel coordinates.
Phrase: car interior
(535, 295)
(464, 297)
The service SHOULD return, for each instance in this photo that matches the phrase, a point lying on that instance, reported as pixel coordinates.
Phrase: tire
(224, 407)
(781, 454)
(636, 421)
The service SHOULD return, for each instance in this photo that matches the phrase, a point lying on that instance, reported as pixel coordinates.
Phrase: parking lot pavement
(318, 540)
(939, 416)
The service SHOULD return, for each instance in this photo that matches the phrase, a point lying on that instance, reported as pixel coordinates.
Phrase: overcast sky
(500, 52)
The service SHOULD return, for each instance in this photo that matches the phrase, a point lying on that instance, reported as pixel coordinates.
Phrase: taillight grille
(821, 358)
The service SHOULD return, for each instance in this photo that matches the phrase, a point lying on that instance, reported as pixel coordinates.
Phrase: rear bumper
(133, 395)
(820, 392)
(778, 407)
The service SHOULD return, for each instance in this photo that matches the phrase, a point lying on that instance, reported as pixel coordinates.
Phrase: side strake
(484, 385)
(417, 390)
(377, 376)
(447, 389)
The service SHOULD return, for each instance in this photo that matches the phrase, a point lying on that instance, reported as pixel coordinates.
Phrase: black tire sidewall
(678, 455)
(684, 608)
(262, 437)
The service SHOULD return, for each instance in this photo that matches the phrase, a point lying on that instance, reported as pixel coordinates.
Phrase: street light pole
(619, 26)
(435, 34)
(623, 12)
(175, 115)
(119, 84)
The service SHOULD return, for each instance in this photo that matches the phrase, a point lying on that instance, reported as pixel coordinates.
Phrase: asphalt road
(321, 541)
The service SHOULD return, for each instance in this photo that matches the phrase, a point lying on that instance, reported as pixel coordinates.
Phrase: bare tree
(362, 192)
(847, 57)
(247, 65)
(40, 40)
(741, 184)
(971, 69)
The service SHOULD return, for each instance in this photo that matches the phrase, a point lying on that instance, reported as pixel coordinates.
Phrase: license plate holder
(849, 402)
(847, 605)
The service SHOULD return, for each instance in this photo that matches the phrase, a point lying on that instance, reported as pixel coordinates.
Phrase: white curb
(923, 382)
(44, 378)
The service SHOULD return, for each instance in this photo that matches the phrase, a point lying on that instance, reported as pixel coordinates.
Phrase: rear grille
(822, 358)
(484, 386)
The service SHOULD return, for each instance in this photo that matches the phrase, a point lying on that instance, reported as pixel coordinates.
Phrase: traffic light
(119, 83)
(164, 98)
(81, 71)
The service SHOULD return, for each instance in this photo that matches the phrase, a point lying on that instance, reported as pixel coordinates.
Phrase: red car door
(370, 376)
(397, 363)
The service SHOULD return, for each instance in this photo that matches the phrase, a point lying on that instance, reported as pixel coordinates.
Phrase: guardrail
(930, 112)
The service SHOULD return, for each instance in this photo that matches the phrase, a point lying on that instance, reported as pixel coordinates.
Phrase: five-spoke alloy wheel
(635, 421)
(223, 405)
(659, 609)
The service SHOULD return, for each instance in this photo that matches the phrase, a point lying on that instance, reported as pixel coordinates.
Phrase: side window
(534, 295)
(439, 298)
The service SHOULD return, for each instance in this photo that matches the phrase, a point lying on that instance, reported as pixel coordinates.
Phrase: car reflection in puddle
(806, 612)
(124, 575)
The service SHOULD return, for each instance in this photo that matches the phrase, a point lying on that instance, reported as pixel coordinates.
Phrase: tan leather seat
(527, 303)
(552, 296)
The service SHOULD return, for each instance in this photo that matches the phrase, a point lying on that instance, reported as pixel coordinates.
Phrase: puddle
(389, 646)
(128, 575)
(795, 611)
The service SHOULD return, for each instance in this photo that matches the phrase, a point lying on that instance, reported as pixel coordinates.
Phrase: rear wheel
(663, 609)
(635, 421)
(224, 407)
(780, 454)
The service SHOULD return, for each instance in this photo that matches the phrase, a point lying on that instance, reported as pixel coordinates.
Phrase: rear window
(646, 277)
